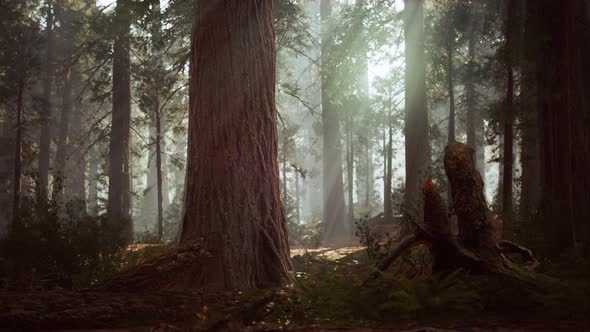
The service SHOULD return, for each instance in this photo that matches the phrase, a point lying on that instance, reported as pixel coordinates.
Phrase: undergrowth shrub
(61, 246)
(333, 293)
(307, 235)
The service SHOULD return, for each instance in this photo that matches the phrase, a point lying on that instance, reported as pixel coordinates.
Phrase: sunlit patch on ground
(327, 253)
(141, 246)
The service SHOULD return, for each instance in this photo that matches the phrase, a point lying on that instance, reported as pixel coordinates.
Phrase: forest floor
(327, 296)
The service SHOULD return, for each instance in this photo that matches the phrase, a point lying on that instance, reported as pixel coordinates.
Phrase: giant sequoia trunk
(418, 162)
(336, 227)
(119, 199)
(233, 203)
(563, 101)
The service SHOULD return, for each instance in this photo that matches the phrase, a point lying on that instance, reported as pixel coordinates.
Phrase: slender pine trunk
(451, 90)
(45, 137)
(16, 191)
(508, 152)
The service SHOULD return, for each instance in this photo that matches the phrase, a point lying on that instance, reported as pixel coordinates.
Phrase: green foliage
(332, 293)
(307, 235)
(369, 238)
(57, 246)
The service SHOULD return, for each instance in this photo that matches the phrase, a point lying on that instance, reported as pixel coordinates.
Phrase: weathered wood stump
(477, 248)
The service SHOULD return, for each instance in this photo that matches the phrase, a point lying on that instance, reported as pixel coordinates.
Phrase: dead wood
(476, 249)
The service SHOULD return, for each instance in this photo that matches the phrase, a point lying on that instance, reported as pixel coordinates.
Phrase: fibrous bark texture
(233, 203)
(469, 201)
(478, 248)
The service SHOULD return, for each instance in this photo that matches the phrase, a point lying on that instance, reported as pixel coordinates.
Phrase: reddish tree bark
(233, 203)
(478, 249)
(469, 203)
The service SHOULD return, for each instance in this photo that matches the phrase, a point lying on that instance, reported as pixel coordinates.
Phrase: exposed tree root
(173, 271)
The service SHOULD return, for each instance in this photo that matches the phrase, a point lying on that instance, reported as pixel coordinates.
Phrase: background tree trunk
(119, 200)
(530, 193)
(45, 116)
(475, 126)
(336, 226)
(233, 203)
(16, 190)
(64, 130)
(159, 171)
(418, 160)
(451, 90)
(93, 173)
(565, 124)
(387, 197)
(508, 152)
(350, 166)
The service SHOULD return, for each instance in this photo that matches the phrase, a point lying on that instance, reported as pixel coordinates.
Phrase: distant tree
(418, 154)
(508, 116)
(45, 113)
(232, 201)
(19, 65)
(530, 193)
(336, 225)
(119, 200)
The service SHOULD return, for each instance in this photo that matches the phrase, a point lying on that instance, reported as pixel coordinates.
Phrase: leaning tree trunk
(233, 204)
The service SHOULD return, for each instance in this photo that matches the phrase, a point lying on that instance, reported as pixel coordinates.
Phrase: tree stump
(477, 248)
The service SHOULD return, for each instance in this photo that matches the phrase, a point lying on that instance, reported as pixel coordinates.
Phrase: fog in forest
(343, 163)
